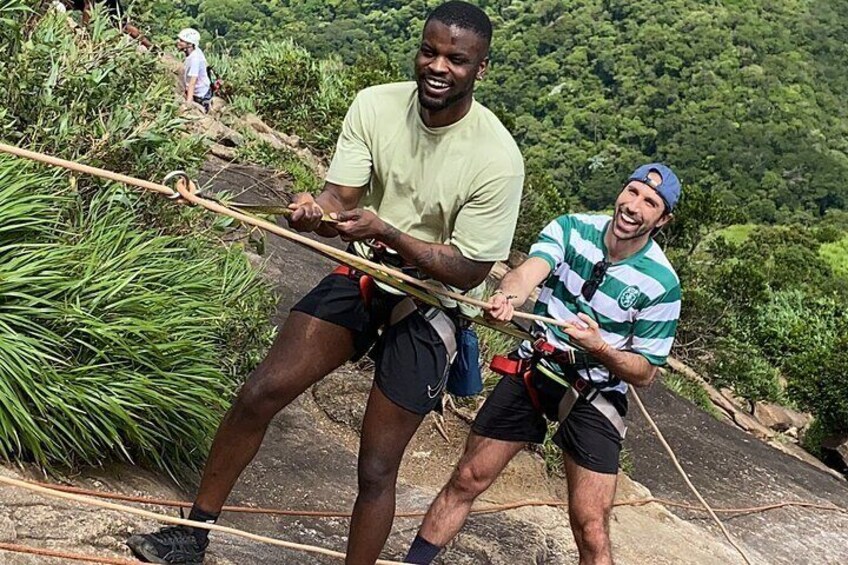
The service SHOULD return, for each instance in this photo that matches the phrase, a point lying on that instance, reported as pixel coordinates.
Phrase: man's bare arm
(626, 365)
(515, 289)
(444, 263)
(189, 93)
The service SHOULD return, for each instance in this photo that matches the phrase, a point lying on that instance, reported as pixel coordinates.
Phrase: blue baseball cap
(669, 186)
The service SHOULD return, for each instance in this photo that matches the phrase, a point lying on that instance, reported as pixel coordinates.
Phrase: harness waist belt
(438, 320)
(523, 369)
(366, 282)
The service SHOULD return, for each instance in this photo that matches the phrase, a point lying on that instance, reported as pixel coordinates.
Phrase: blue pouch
(465, 378)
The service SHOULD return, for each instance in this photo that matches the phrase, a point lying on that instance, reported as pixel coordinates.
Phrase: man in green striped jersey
(607, 278)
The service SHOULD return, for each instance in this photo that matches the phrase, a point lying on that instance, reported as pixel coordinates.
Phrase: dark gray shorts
(410, 358)
(586, 435)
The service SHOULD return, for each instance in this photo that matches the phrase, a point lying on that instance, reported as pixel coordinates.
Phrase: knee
(592, 535)
(259, 399)
(468, 482)
(376, 476)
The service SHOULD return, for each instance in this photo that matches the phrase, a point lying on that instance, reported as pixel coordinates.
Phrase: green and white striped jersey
(636, 306)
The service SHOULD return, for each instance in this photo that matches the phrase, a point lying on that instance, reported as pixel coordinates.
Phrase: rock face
(780, 418)
(732, 469)
(836, 448)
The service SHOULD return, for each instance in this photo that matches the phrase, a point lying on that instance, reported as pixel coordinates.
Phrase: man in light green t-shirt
(430, 180)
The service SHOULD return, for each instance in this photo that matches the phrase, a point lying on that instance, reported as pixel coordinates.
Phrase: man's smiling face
(447, 65)
(639, 209)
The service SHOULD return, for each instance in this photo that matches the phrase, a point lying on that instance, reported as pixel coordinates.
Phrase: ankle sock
(199, 515)
(422, 552)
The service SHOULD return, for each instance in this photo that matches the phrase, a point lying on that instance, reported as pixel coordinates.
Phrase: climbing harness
(544, 364)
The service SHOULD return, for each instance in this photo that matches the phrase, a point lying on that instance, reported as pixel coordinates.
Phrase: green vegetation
(737, 233)
(297, 93)
(263, 153)
(121, 336)
(766, 317)
(836, 256)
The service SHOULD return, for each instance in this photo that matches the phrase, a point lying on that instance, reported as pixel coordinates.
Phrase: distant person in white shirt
(195, 74)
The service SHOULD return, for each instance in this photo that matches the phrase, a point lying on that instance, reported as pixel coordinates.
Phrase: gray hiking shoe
(174, 544)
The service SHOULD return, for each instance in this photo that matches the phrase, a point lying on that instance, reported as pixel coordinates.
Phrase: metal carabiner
(171, 176)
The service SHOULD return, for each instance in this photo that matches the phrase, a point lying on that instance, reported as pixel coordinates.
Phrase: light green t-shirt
(459, 184)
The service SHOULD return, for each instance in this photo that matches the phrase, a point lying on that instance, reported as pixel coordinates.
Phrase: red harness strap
(519, 368)
(366, 282)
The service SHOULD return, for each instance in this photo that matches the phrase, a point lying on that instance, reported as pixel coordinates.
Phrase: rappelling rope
(489, 509)
(686, 477)
(179, 521)
(184, 189)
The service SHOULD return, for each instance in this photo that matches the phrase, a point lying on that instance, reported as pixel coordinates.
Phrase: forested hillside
(745, 98)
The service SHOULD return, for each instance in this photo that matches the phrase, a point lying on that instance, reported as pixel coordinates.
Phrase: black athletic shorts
(411, 361)
(586, 435)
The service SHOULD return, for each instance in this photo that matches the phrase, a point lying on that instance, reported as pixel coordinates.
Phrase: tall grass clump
(115, 342)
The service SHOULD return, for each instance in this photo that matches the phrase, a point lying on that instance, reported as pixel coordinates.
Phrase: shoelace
(178, 535)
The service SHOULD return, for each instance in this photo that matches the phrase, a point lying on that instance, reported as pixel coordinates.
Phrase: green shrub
(813, 438)
(793, 322)
(124, 326)
(835, 254)
(741, 367)
(541, 203)
(690, 390)
(818, 380)
(263, 153)
(94, 98)
(296, 93)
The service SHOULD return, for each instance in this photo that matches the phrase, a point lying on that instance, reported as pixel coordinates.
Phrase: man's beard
(637, 233)
(437, 105)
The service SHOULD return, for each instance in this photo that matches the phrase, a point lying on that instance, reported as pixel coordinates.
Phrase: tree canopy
(743, 98)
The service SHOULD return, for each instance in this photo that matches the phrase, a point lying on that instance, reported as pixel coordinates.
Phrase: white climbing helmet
(190, 35)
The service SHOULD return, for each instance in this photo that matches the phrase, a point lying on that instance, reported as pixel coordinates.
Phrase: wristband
(509, 297)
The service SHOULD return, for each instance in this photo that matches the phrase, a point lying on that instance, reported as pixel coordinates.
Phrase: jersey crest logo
(628, 297)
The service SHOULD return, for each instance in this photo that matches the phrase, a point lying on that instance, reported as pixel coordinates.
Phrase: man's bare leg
(590, 498)
(481, 463)
(136, 34)
(386, 431)
(305, 351)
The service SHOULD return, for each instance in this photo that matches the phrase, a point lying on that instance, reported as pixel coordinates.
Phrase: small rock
(740, 403)
(780, 418)
(217, 105)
